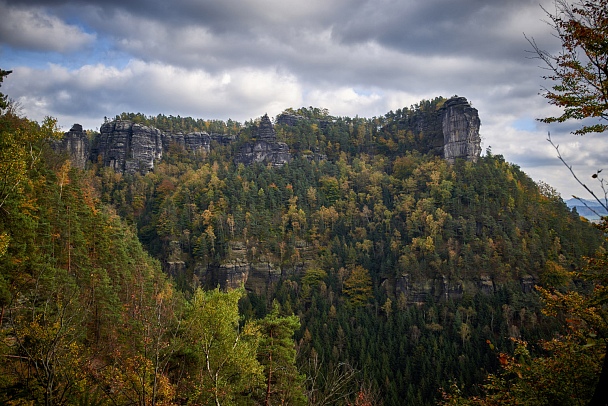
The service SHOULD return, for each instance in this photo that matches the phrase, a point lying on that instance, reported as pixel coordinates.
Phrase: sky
(80, 61)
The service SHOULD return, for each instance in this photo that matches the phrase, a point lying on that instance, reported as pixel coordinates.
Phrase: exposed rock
(527, 283)
(266, 130)
(293, 120)
(275, 153)
(452, 131)
(288, 119)
(191, 142)
(486, 284)
(234, 275)
(77, 146)
(129, 147)
(421, 290)
(460, 124)
(266, 148)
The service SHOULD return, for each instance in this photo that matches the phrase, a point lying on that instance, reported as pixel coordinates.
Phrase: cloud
(35, 30)
(95, 91)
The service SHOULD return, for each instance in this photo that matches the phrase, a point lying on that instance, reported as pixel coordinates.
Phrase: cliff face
(266, 148)
(451, 131)
(76, 144)
(128, 147)
(460, 125)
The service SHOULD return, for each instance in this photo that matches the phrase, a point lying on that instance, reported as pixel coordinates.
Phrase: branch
(559, 155)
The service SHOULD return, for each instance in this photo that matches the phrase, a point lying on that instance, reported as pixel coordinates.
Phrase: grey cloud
(35, 30)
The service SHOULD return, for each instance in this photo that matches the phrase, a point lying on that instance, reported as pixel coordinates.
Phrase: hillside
(401, 250)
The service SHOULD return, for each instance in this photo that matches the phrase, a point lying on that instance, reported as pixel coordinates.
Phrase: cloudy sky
(82, 60)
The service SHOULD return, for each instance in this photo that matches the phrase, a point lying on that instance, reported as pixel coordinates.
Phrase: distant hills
(590, 209)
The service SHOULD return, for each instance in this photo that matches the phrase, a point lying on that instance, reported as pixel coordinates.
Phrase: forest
(379, 275)
(365, 269)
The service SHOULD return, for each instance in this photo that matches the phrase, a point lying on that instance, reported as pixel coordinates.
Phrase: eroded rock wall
(265, 148)
(129, 147)
(76, 145)
(460, 125)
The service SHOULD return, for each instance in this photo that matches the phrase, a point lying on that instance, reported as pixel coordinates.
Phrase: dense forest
(377, 274)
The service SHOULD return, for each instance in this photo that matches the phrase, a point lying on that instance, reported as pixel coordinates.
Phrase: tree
(20, 149)
(3, 98)
(225, 353)
(358, 286)
(277, 354)
(580, 73)
(564, 375)
(580, 69)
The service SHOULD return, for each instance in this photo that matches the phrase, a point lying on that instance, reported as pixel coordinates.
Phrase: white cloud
(34, 29)
(95, 91)
(345, 101)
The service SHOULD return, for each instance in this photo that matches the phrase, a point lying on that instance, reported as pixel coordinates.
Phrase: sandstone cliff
(450, 131)
(76, 145)
(266, 148)
(460, 126)
(129, 147)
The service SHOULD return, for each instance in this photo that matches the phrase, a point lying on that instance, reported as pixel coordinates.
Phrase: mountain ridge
(452, 129)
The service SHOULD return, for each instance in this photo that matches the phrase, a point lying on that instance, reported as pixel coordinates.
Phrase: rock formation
(289, 119)
(293, 120)
(460, 124)
(129, 147)
(76, 145)
(266, 148)
(452, 131)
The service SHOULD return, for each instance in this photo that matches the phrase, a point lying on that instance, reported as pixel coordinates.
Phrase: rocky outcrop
(450, 131)
(289, 119)
(130, 147)
(421, 290)
(76, 145)
(265, 149)
(460, 125)
(236, 271)
(293, 120)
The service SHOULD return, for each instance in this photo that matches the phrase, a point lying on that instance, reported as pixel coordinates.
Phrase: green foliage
(225, 369)
(3, 98)
(355, 240)
(565, 374)
(183, 124)
(284, 384)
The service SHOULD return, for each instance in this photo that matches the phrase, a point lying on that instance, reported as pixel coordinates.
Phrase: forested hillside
(368, 269)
